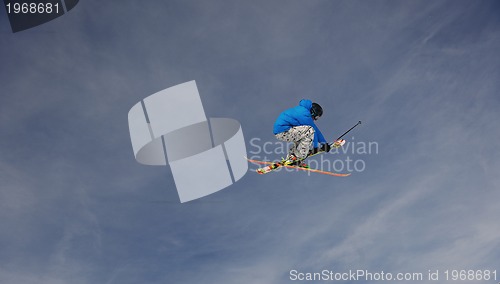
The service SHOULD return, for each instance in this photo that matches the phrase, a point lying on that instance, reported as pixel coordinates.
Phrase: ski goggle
(316, 117)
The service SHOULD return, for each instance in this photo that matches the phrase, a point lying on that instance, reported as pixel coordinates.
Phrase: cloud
(77, 208)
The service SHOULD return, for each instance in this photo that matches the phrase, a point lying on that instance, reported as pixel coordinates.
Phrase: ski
(271, 166)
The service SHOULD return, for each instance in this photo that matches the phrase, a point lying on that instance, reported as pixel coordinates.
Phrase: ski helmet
(316, 111)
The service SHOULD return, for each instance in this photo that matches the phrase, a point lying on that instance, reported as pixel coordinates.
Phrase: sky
(422, 76)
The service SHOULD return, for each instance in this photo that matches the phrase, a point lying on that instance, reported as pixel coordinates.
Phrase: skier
(297, 125)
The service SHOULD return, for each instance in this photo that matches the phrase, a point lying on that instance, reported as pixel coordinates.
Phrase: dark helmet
(316, 111)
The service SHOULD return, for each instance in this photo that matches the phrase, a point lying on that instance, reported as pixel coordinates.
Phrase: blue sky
(422, 76)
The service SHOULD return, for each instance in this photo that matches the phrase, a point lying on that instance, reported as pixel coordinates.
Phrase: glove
(325, 147)
(338, 143)
(313, 151)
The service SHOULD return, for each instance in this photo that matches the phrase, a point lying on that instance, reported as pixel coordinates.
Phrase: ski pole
(313, 153)
(359, 122)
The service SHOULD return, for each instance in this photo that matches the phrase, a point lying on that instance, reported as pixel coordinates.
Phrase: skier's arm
(321, 138)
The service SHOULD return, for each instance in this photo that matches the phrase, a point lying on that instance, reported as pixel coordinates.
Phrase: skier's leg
(292, 149)
(286, 137)
(305, 136)
(289, 136)
(302, 137)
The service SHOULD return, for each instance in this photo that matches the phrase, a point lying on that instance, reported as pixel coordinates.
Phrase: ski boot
(292, 160)
(289, 160)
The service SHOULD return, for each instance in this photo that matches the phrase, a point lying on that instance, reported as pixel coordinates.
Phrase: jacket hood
(306, 103)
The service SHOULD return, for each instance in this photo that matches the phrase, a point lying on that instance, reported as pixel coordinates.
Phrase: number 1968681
(32, 8)
(471, 275)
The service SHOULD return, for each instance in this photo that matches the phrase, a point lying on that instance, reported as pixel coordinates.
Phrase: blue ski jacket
(296, 116)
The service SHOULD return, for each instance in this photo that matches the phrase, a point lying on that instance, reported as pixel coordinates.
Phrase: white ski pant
(302, 138)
